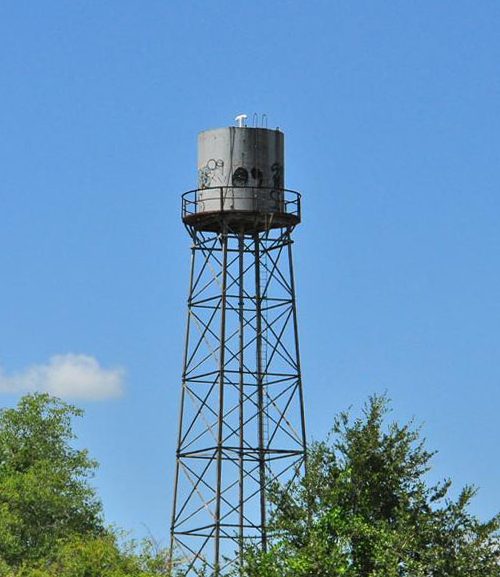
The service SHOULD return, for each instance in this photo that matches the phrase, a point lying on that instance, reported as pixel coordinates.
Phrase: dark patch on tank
(257, 175)
(277, 171)
(240, 177)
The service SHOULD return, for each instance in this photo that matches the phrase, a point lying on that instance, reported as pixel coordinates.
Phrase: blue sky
(391, 112)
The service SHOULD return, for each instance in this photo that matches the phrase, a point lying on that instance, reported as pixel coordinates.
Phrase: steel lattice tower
(241, 424)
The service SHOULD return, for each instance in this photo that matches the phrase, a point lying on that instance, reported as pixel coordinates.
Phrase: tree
(45, 495)
(51, 522)
(364, 509)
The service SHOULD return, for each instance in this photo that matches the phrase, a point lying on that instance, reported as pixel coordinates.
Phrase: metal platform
(240, 209)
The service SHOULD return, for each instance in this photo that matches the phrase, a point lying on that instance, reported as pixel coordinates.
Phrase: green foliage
(364, 509)
(44, 494)
(50, 518)
(96, 557)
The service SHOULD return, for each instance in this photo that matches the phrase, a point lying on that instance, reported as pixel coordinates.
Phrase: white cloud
(67, 376)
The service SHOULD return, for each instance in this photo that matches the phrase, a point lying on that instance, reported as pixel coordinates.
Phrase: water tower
(241, 423)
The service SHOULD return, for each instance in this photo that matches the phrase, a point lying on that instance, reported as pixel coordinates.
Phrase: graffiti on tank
(240, 177)
(257, 175)
(212, 174)
(255, 178)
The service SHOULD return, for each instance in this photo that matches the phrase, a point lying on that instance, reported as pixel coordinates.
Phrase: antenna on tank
(241, 120)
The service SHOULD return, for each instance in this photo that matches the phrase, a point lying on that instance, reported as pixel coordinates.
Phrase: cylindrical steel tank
(240, 169)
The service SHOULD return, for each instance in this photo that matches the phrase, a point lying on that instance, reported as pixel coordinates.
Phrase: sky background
(391, 112)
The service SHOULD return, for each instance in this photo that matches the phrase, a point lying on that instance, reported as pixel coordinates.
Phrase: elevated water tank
(240, 177)
(241, 157)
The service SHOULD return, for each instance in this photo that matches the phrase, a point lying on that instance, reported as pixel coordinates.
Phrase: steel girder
(241, 424)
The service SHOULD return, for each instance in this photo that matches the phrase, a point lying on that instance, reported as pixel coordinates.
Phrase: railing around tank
(226, 199)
